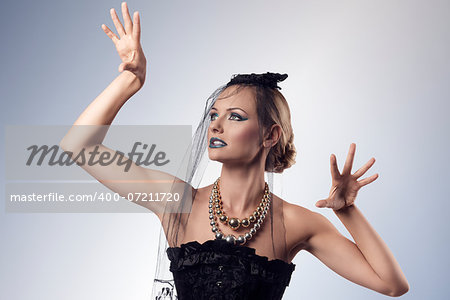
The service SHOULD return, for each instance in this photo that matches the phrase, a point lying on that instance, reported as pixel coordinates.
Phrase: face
(233, 134)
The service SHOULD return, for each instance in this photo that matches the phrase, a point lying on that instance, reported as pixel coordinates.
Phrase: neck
(241, 189)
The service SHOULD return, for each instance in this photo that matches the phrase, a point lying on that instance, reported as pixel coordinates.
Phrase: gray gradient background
(371, 72)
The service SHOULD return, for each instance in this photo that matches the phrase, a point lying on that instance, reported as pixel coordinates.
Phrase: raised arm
(367, 261)
(105, 107)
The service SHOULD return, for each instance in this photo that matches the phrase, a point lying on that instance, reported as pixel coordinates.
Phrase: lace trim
(222, 252)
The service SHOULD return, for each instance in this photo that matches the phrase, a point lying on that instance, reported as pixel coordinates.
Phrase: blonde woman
(239, 239)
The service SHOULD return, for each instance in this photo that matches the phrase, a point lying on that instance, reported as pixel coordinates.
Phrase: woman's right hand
(128, 45)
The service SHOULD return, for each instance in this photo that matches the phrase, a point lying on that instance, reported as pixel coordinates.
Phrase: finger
(321, 203)
(364, 168)
(117, 23)
(127, 18)
(109, 33)
(126, 66)
(333, 167)
(349, 161)
(123, 66)
(367, 180)
(136, 26)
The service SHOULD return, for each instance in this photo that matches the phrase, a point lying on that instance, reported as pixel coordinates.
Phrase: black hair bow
(266, 80)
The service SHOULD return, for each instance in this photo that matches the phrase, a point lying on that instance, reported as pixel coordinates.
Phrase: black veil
(269, 241)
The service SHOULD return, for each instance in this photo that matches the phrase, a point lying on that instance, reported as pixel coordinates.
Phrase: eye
(239, 118)
(212, 115)
(233, 116)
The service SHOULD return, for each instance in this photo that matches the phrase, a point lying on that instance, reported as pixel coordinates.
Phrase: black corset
(217, 269)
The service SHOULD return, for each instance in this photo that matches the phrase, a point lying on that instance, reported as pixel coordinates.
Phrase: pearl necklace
(235, 223)
(215, 207)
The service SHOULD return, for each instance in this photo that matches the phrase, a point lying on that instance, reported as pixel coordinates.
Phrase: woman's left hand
(344, 187)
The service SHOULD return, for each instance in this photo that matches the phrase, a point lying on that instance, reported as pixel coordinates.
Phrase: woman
(246, 249)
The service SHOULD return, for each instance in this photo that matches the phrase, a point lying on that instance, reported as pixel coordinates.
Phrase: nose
(216, 126)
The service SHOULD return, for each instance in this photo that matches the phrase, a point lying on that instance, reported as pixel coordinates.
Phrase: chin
(217, 155)
(214, 156)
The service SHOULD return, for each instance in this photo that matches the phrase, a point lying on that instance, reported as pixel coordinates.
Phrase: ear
(273, 136)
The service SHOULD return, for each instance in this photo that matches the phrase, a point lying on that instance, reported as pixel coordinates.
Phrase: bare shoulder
(296, 215)
(301, 224)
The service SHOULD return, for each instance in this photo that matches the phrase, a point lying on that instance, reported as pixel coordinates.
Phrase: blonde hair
(283, 154)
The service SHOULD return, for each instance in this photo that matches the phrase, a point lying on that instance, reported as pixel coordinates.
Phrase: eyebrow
(231, 108)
